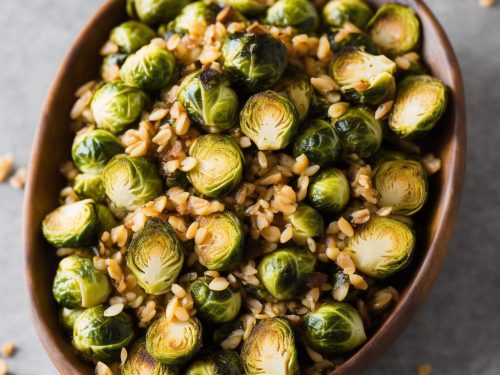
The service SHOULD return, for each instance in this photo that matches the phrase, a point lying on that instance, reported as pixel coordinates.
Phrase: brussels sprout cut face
(89, 186)
(194, 16)
(337, 12)
(155, 256)
(299, 14)
(329, 191)
(131, 35)
(220, 363)
(306, 222)
(140, 362)
(298, 88)
(154, 12)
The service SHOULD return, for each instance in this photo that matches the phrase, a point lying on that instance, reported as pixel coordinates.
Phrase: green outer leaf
(299, 14)
(337, 12)
(329, 191)
(155, 12)
(131, 35)
(192, 16)
(248, 7)
(89, 186)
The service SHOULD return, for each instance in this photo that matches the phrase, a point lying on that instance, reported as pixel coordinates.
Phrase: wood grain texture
(52, 146)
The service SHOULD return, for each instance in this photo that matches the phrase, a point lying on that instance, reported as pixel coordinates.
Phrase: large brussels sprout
(79, 284)
(209, 101)
(306, 222)
(254, 62)
(89, 186)
(116, 106)
(299, 14)
(358, 40)
(338, 12)
(270, 120)
(131, 182)
(102, 337)
(193, 16)
(72, 225)
(155, 256)
(219, 363)
(154, 12)
(298, 87)
(131, 35)
(421, 101)
(248, 7)
(68, 318)
(381, 247)
(140, 362)
(220, 165)
(271, 349)
(329, 191)
(283, 272)
(334, 328)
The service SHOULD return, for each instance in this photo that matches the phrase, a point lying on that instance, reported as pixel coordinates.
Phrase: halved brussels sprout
(283, 272)
(420, 103)
(174, 342)
(318, 140)
(219, 363)
(116, 106)
(140, 362)
(299, 14)
(102, 337)
(298, 87)
(89, 186)
(72, 225)
(395, 29)
(357, 40)
(401, 185)
(334, 328)
(154, 12)
(381, 247)
(220, 165)
(270, 120)
(110, 67)
(248, 7)
(306, 222)
(79, 284)
(209, 101)
(271, 349)
(131, 35)
(360, 133)
(329, 191)
(338, 12)
(131, 182)
(155, 256)
(107, 220)
(68, 318)
(197, 15)
(254, 62)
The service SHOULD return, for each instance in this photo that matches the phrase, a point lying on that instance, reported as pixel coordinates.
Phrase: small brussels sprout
(93, 149)
(249, 7)
(155, 256)
(270, 120)
(209, 101)
(271, 349)
(155, 12)
(174, 342)
(306, 222)
(329, 191)
(254, 62)
(107, 220)
(194, 16)
(395, 29)
(68, 318)
(357, 40)
(110, 67)
(318, 140)
(420, 103)
(359, 132)
(283, 272)
(334, 328)
(131, 182)
(299, 14)
(298, 87)
(89, 186)
(219, 363)
(131, 35)
(338, 12)
(116, 106)
(72, 225)
(381, 247)
(140, 362)
(220, 165)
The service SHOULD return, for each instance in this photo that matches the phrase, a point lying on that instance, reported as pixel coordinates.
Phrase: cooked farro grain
(182, 314)
(6, 162)
(18, 180)
(218, 284)
(233, 341)
(431, 164)
(114, 310)
(358, 282)
(345, 227)
(123, 356)
(403, 63)
(102, 369)
(8, 349)
(315, 356)
(345, 262)
(383, 110)
(178, 291)
(337, 109)
(380, 301)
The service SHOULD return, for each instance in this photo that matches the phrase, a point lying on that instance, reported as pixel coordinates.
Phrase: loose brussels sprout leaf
(93, 149)
(154, 12)
(116, 106)
(357, 40)
(102, 337)
(140, 362)
(298, 87)
(131, 35)
(334, 328)
(248, 7)
(381, 247)
(209, 101)
(395, 29)
(174, 342)
(131, 182)
(283, 272)
(110, 67)
(79, 284)
(329, 191)
(271, 349)
(194, 16)
(338, 12)
(401, 185)
(155, 256)
(220, 165)
(72, 225)
(219, 363)
(359, 132)
(270, 120)
(299, 14)
(318, 140)
(420, 103)
(306, 223)
(254, 62)
(68, 318)
(107, 220)
(89, 186)
(222, 248)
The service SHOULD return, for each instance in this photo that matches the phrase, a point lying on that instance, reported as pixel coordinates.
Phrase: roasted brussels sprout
(194, 16)
(298, 87)
(271, 349)
(155, 256)
(130, 182)
(306, 223)
(338, 12)
(219, 363)
(140, 362)
(270, 120)
(209, 101)
(334, 328)
(381, 247)
(299, 14)
(329, 191)
(93, 149)
(131, 35)
(116, 106)
(358, 40)
(102, 337)
(420, 103)
(219, 165)
(107, 220)
(72, 225)
(68, 318)
(89, 186)
(283, 272)
(155, 12)
(248, 7)
(254, 62)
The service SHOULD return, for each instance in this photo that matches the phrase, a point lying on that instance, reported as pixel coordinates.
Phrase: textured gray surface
(457, 331)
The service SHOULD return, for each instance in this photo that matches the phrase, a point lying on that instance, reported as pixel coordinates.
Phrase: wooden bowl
(52, 146)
